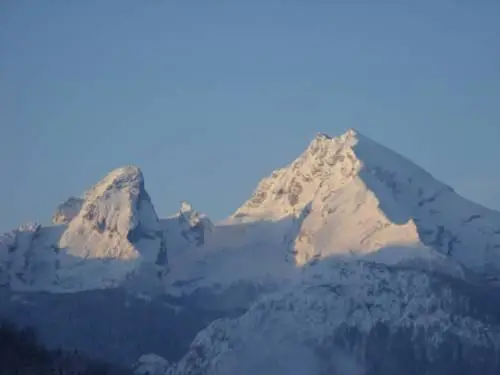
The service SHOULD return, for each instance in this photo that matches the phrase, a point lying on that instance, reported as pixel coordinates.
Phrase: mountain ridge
(105, 237)
(403, 198)
(342, 195)
(348, 242)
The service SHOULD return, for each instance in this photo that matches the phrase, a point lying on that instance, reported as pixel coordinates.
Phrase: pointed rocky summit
(100, 241)
(350, 194)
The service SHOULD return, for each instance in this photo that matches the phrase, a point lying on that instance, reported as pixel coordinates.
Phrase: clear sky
(209, 96)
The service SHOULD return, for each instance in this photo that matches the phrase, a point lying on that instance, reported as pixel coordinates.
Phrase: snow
(114, 209)
(422, 258)
(114, 234)
(188, 229)
(349, 233)
(351, 194)
(150, 364)
(343, 196)
(289, 328)
(67, 211)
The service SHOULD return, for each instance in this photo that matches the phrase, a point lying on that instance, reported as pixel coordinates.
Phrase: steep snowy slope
(357, 318)
(344, 196)
(350, 242)
(117, 220)
(67, 211)
(350, 194)
(114, 235)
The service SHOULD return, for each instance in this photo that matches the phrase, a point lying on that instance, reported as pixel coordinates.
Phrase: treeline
(21, 353)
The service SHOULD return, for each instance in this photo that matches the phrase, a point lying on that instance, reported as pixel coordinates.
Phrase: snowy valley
(352, 259)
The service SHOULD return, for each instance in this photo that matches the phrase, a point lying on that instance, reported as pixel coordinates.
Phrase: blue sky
(207, 97)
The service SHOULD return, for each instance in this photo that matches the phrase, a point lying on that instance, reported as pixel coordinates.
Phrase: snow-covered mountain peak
(186, 208)
(348, 162)
(100, 241)
(117, 209)
(351, 194)
(322, 137)
(351, 132)
(188, 228)
(289, 190)
(127, 177)
(350, 135)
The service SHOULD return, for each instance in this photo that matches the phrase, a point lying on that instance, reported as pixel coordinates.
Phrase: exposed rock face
(102, 240)
(115, 217)
(188, 229)
(351, 194)
(351, 260)
(194, 226)
(67, 210)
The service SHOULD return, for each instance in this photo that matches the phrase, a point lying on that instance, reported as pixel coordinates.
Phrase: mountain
(343, 196)
(350, 238)
(93, 281)
(67, 211)
(352, 194)
(103, 239)
(357, 318)
(187, 229)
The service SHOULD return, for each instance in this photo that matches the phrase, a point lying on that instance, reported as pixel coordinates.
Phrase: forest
(22, 353)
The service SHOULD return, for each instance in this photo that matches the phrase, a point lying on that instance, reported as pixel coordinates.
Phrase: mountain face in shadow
(109, 324)
(351, 250)
(357, 317)
(21, 353)
(354, 194)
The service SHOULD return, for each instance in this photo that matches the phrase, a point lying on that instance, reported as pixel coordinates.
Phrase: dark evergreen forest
(21, 353)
